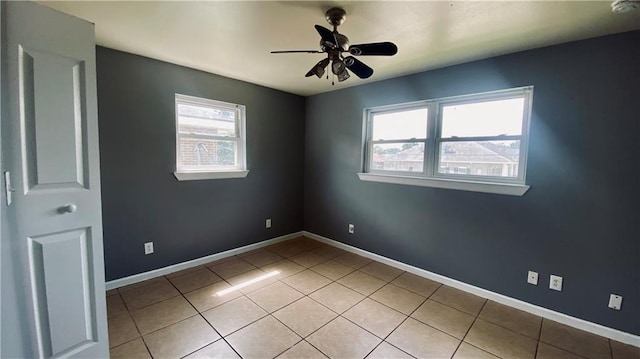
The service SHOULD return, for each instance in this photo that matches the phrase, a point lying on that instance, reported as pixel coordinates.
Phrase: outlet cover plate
(267, 223)
(532, 277)
(615, 301)
(352, 228)
(148, 248)
(555, 282)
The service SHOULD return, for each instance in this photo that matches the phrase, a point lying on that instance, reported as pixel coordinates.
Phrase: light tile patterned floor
(323, 302)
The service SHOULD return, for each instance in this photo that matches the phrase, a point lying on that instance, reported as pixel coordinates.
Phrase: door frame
(2, 119)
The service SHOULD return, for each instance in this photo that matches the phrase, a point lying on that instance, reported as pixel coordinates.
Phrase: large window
(475, 142)
(210, 139)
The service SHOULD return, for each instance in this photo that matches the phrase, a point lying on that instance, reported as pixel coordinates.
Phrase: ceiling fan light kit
(334, 44)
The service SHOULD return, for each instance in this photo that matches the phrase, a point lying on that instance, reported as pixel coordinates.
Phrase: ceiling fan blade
(358, 67)
(296, 52)
(318, 69)
(326, 35)
(375, 48)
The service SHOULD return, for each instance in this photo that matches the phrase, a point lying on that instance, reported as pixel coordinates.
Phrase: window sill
(486, 187)
(195, 176)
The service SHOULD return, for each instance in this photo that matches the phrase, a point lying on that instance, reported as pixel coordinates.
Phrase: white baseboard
(195, 262)
(582, 324)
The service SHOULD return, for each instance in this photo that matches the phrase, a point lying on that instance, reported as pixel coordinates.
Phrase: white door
(52, 149)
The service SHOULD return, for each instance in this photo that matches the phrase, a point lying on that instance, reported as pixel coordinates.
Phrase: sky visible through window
(493, 118)
(400, 125)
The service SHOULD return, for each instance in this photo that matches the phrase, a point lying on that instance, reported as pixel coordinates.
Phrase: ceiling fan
(334, 44)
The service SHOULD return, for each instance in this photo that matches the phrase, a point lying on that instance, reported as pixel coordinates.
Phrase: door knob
(69, 208)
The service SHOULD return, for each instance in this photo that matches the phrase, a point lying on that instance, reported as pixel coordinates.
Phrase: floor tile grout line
(539, 337)
(475, 319)
(458, 309)
(316, 348)
(139, 285)
(416, 308)
(308, 335)
(488, 321)
(198, 314)
(503, 327)
(564, 350)
(413, 291)
(317, 329)
(287, 349)
(190, 271)
(395, 328)
(217, 332)
(134, 324)
(383, 340)
(244, 326)
(393, 309)
(142, 335)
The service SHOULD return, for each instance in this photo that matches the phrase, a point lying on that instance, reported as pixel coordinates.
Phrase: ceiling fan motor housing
(343, 43)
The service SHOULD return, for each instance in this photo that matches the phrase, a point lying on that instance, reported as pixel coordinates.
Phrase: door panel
(52, 151)
(55, 123)
(60, 264)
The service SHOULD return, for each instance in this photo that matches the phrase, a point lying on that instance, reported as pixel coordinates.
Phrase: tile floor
(305, 299)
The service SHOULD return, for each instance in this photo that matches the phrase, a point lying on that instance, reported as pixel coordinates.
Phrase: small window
(398, 140)
(210, 139)
(477, 141)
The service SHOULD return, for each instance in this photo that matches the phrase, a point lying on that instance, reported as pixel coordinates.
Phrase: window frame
(430, 176)
(371, 143)
(185, 173)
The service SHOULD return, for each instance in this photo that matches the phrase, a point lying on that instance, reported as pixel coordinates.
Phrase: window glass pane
(407, 156)
(199, 153)
(400, 125)
(491, 118)
(194, 119)
(480, 158)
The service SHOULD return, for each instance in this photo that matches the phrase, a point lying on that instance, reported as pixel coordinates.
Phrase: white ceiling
(233, 38)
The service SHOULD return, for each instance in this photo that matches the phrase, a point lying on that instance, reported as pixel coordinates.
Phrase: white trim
(194, 176)
(581, 324)
(117, 283)
(487, 187)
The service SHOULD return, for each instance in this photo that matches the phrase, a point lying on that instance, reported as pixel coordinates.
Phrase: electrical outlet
(267, 223)
(555, 282)
(615, 301)
(148, 248)
(532, 278)
(352, 228)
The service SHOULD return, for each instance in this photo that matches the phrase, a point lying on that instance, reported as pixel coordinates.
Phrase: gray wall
(580, 219)
(142, 200)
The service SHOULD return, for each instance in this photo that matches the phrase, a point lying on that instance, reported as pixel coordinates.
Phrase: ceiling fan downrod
(335, 16)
